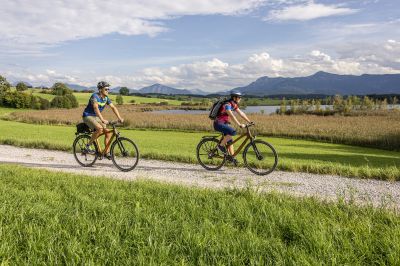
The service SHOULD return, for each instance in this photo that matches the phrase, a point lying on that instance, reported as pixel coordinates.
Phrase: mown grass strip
(56, 218)
(294, 155)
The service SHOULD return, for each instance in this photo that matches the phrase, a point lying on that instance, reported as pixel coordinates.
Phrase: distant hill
(76, 87)
(162, 89)
(324, 83)
(156, 88)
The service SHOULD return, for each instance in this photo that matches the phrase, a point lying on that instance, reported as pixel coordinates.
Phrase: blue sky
(208, 45)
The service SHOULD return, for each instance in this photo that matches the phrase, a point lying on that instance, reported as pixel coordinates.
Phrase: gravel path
(363, 191)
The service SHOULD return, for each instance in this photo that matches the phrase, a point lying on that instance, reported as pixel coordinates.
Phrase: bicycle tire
(78, 147)
(115, 155)
(264, 163)
(208, 146)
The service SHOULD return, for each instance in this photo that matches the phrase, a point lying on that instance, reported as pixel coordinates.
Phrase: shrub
(73, 100)
(44, 103)
(120, 100)
(61, 102)
(21, 86)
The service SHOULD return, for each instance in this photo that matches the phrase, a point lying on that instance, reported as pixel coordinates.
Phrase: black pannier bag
(82, 128)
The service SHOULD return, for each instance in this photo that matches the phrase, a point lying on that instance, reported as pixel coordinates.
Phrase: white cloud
(216, 74)
(46, 22)
(308, 11)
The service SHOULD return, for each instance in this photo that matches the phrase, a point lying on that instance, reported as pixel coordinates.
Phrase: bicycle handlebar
(114, 123)
(250, 124)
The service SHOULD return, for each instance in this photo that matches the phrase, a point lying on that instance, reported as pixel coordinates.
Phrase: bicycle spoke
(82, 157)
(208, 155)
(260, 157)
(125, 154)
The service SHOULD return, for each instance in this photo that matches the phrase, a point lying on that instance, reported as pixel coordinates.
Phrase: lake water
(249, 109)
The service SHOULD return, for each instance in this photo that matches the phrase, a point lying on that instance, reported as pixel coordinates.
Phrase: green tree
(120, 100)
(124, 91)
(60, 89)
(283, 107)
(318, 106)
(4, 85)
(338, 105)
(21, 86)
(367, 103)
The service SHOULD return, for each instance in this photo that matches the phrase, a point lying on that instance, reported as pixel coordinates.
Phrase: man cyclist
(93, 118)
(221, 123)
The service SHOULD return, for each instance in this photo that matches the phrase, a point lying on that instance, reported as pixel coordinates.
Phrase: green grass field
(5, 110)
(83, 98)
(57, 218)
(294, 155)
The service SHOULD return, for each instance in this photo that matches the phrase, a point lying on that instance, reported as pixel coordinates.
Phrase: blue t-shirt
(89, 110)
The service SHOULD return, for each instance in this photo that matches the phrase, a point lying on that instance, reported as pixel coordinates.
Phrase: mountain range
(324, 83)
(155, 88)
(321, 83)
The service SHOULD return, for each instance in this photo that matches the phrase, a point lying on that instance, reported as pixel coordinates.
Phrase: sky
(195, 44)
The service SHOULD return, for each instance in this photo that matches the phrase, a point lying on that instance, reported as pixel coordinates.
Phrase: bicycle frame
(248, 136)
(115, 134)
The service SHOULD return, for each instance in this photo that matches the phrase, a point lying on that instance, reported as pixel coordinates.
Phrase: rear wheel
(208, 154)
(260, 157)
(81, 155)
(124, 154)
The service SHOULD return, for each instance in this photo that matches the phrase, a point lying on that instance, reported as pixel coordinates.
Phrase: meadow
(294, 155)
(54, 218)
(379, 131)
(83, 98)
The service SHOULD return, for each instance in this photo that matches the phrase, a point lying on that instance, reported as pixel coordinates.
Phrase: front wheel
(208, 154)
(124, 154)
(83, 156)
(260, 157)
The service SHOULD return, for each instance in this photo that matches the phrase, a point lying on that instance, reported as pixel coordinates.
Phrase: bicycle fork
(121, 148)
(258, 154)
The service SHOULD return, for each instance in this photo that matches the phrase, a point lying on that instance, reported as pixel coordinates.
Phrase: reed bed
(379, 131)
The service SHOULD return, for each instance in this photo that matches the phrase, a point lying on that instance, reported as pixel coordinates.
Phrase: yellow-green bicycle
(259, 156)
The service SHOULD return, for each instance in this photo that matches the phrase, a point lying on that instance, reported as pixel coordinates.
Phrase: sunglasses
(107, 89)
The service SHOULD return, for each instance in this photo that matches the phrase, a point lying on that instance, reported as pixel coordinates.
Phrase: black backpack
(214, 111)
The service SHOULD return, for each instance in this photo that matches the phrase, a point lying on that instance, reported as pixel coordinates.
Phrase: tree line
(21, 99)
(334, 105)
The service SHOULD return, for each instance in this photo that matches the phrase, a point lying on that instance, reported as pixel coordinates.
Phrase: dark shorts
(224, 129)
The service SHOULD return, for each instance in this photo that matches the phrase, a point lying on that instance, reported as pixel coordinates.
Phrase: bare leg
(107, 139)
(225, 140)
(95, 135)
(231, 150)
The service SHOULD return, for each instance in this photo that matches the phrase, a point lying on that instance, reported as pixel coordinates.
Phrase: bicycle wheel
(83, 158)
(124, 154)
(208, 154)
(260, 157)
